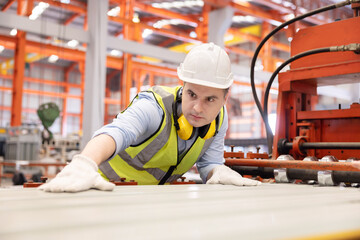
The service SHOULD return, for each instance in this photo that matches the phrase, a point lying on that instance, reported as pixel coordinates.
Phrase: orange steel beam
(240, 51)
(136, 77)
(7, 5)
(71, 18)
(287, 10)
(107, 93)
(51, 82)
(164, 71)
(64, 107)
(248, 9)
(82, 72)
(64, 110)
(126, 78)
(18, 79)
(151, 79)
(43, 93)
(66, 53)
(298, 164)
(164, 32)
(217, 3)
(112, 101)
(165, 13)
(79, 2)
(203, 28)
(126, 81)
(69, 7)
(280, 46)
(43, 81)
(249, 53)
(253, 38)
(23, 8)
(266, 52)
(33, 110)
(166, 42)
(142, 77)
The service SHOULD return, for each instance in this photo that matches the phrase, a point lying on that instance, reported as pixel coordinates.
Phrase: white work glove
(80, 175)
(225, 175)
(356, 164)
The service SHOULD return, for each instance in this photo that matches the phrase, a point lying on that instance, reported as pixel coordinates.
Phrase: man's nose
(198, 107)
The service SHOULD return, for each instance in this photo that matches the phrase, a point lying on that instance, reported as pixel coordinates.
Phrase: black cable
(269, 134)
(293, 58)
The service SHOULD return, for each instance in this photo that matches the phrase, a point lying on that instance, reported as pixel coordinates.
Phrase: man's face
(201, 104)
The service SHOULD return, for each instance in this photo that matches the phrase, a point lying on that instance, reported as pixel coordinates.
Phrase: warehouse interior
(68, 67)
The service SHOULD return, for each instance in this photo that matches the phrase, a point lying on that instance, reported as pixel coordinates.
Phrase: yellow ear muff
(211, 132)
(186, 129)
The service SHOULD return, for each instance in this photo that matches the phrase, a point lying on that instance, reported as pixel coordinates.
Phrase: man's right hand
(80, 175)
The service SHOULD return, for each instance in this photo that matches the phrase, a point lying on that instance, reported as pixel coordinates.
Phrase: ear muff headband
(211, 131)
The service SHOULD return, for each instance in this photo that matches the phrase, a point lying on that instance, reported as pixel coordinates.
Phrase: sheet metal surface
(270, 211)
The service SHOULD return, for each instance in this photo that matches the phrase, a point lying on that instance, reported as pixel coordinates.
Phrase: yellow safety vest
(156, 160)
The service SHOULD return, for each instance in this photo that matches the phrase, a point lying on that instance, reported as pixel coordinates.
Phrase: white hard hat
(207, 65)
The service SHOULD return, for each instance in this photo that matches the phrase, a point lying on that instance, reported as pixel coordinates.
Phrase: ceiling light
(289, 16)
(38, 10)
(136, 18)
(43, 5)
(53, 58)
(65, 1)
(73, 43)
(33, 17)
(178, 4)
(240, 19)
(116, 53)
(193, 34)
(166, 5)
(228, 37)
(146, 33)
(13, 32)
(114, 12)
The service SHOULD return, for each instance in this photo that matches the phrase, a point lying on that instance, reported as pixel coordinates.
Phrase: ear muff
(186, 130)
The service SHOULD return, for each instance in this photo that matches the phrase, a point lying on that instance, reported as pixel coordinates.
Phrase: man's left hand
(224, 175)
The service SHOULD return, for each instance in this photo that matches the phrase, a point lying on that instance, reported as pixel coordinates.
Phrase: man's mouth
(196, 117)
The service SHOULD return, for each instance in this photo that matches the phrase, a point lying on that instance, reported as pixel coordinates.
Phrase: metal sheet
(270, 211)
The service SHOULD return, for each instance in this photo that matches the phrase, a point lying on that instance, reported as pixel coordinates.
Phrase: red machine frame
(296, 121)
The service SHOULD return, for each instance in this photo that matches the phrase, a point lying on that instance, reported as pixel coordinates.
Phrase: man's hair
(226, 90)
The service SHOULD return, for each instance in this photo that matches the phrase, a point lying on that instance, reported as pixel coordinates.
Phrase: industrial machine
(308, 144)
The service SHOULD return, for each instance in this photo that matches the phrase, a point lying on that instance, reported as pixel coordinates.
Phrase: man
(163, 133)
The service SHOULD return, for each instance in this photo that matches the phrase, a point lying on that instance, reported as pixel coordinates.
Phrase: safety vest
(156, 160)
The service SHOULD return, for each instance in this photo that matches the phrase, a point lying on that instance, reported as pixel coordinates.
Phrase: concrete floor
(270, 211)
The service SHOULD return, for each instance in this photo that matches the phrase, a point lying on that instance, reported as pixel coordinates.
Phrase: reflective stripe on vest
(148, 162)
